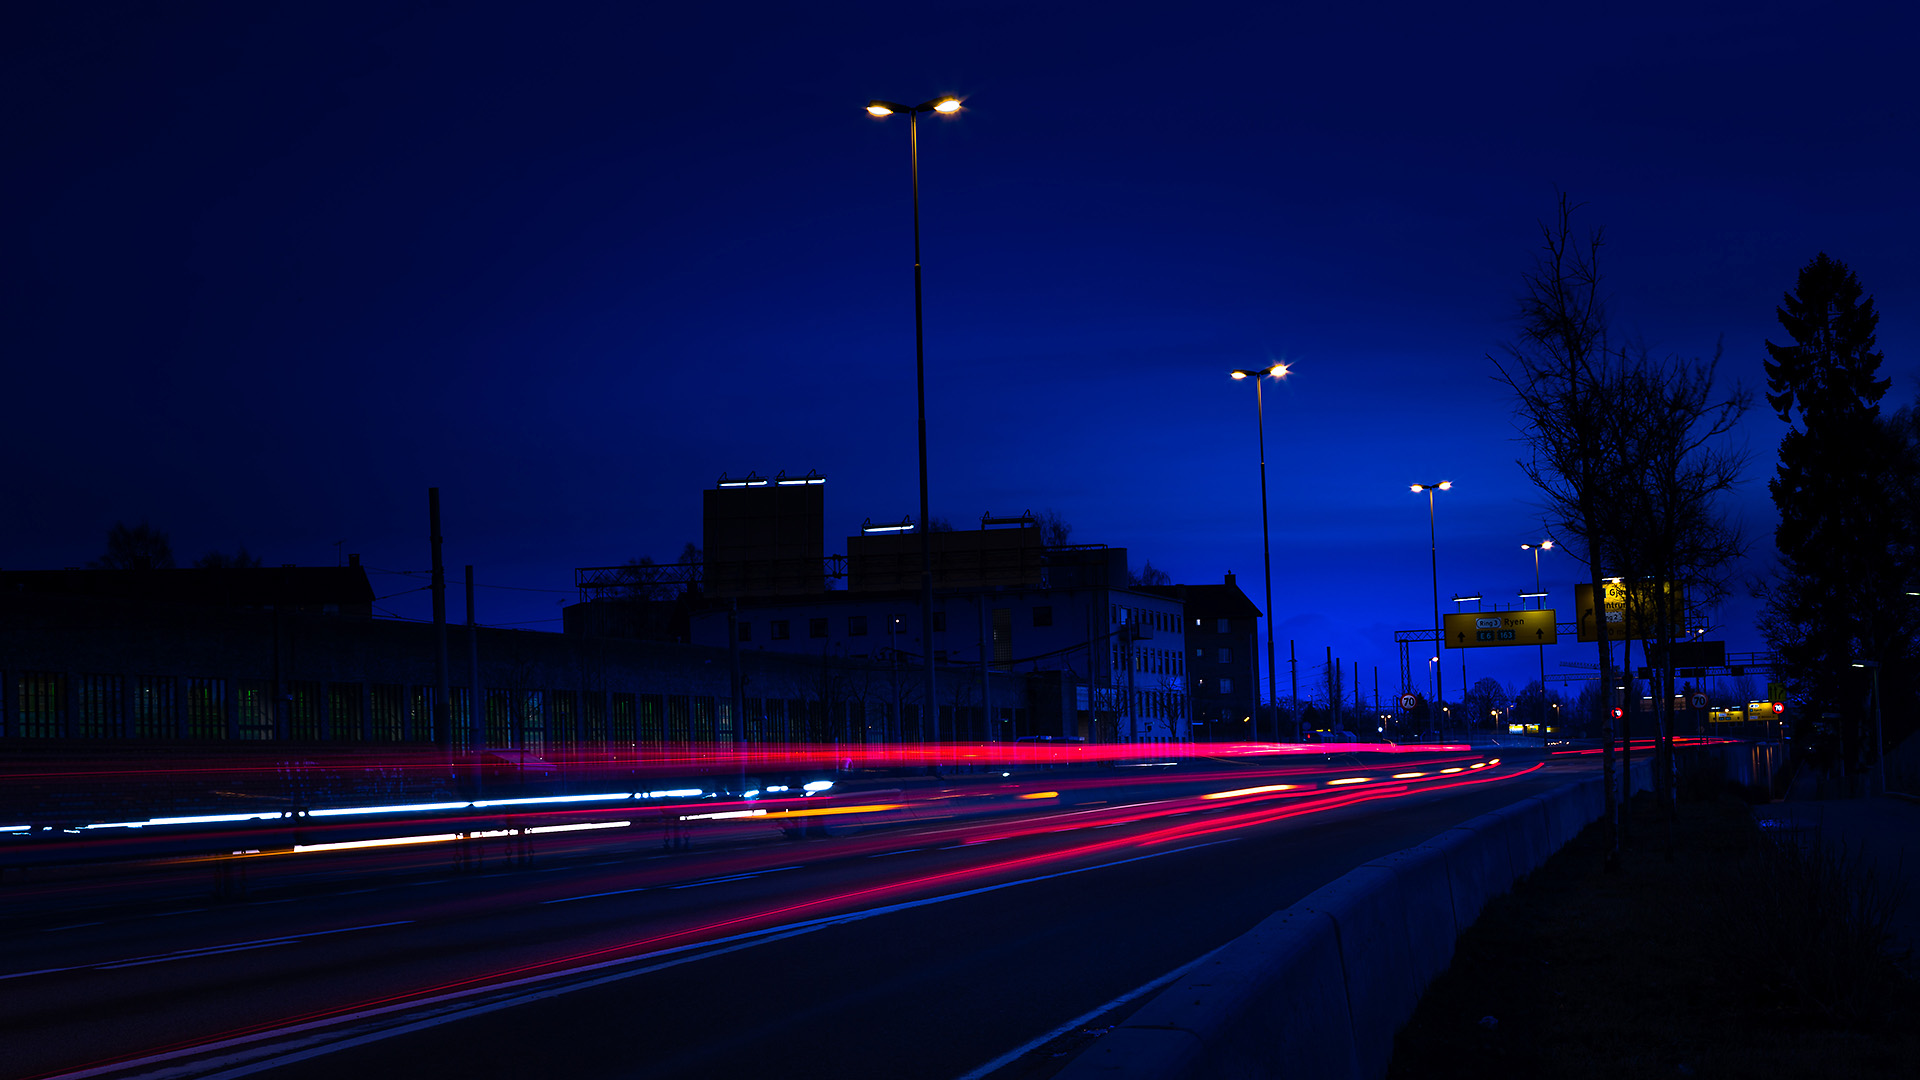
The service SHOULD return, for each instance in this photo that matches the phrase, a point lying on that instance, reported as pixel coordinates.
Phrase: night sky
(270, 271)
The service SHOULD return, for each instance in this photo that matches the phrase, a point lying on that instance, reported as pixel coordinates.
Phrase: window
(746, 630)
(782, 630)
(1199, 653)
(1226, 686)
(1043, 616)
(1226, 656)
(1220, 626)
(856, 626)
(939, 621)
(817, 627)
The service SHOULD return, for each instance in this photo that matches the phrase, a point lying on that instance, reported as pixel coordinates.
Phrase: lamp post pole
(1878, 784)
(930, 715)
(1433, 551)
(1278, 371)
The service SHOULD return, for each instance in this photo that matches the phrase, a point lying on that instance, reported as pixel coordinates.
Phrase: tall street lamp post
(929, 717)
(1277, 371)
(1433, 550)
(1540, 601)
(1878, 785)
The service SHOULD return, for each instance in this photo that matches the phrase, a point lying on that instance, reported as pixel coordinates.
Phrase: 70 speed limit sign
(1408, 701)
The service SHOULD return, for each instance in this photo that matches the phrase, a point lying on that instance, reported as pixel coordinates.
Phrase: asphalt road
(918, 945)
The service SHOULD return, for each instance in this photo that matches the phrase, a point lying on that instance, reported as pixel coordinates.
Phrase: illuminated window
(1220, 626)
(1226, 686)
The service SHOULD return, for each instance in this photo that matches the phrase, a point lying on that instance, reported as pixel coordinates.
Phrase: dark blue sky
(270, 271)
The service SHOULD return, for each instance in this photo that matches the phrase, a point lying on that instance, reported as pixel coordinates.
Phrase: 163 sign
(1481, 629)
(1636, 618)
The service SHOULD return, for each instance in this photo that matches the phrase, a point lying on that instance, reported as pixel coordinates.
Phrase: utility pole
(739, 697)
(476, 698)
(440, 713)
(1293, 666)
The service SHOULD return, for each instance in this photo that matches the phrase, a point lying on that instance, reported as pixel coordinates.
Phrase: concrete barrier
(1529, 836)
(1273, 1002)
(1319, 990)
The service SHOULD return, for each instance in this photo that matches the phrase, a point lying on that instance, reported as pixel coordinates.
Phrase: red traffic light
(1779, 707)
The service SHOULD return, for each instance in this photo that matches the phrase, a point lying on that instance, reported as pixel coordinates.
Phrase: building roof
(1223, 601)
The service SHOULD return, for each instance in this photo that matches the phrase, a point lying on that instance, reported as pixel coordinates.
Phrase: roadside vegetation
(1713, 950)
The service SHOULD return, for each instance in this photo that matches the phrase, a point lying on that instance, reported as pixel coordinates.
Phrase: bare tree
(1054, 529)
(1562, 373)
(140, 547)
(220, 560)
(1149, 574)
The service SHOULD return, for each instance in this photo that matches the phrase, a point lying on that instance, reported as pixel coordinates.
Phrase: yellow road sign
(1482, 629)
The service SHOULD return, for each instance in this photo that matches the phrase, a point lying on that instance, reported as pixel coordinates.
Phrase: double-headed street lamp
(929, 722)
(1433, 546)
(1540, 601)
(1277, 371)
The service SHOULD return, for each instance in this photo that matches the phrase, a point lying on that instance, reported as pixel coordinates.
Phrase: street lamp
(1540, 601)
(1433, 549)
(1277, 371)
(882, 109)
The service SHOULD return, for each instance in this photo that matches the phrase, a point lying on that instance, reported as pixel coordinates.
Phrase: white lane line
(274, 1056)
(735, 877)
(209, 950)
(890, 854)
(1084, 1018)
(597, 895)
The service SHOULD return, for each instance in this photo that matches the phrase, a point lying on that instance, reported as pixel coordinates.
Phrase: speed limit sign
(1408, 701)
(1699, 701)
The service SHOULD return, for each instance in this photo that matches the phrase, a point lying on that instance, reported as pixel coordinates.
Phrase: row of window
(1164, 621)
(1148, 661)
(821, 626)
(52, 705)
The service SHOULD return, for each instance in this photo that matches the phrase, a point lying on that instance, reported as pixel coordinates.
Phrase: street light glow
(948, 105)
(1239, 374)
(877, 109)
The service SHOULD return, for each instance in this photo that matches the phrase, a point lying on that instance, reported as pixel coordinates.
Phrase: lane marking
(595, 896)
(733, 877)
(253, 1058)
(1083, 1019)
(208, 950)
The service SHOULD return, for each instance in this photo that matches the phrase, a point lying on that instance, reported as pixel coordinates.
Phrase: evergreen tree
(1838, 595)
